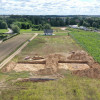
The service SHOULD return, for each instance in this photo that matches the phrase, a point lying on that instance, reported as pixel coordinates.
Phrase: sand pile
(81, 55)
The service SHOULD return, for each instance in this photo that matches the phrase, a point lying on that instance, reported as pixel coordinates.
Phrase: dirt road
(9, 31)
(12, 44)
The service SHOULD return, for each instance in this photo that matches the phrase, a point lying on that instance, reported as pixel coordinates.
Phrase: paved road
(12, 44)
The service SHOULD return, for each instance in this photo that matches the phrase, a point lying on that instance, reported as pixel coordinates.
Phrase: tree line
(41, 22)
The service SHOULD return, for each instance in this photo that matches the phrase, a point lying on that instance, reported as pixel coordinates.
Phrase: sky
(50, 7)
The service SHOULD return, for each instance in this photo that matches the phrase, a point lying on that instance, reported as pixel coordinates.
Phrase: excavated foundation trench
(79, 63)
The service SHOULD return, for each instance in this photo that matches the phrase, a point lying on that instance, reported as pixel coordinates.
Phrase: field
(29, 31)
(70, 87)
(90, 41)
(3, 30)
(44, 45)
(9, 46)
(56, 30)
(3, 35)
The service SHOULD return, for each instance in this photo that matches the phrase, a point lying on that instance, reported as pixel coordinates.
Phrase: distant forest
(27, 22)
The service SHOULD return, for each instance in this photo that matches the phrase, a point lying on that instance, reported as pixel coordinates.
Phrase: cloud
(47, 7)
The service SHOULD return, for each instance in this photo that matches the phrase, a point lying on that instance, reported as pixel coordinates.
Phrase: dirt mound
(51, 66)
(92, 73)
(81, 55)
(52, 61)
(95, 65)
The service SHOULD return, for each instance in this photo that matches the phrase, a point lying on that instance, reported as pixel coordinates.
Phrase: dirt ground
(63, 28)
(37, 67)
(51, 65)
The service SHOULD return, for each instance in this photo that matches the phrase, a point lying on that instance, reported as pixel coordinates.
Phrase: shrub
(15, 28)
(47, 26)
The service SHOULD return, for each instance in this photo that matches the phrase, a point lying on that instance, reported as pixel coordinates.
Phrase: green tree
(86, 24)
(47, 26)
(18, 24)
(3, 25)
(15, 28)
(40, 27)
(95, 25)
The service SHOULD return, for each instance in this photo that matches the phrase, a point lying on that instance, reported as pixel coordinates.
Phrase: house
(48, 32)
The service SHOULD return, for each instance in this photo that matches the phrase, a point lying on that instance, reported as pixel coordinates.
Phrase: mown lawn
(68, 88)
(3, 30)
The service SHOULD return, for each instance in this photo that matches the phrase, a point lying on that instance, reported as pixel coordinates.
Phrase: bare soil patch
(79, 63)
(81, 55)
(63, 28)
(92, 72)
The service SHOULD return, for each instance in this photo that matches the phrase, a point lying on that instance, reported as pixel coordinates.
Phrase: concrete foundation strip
(16, 52)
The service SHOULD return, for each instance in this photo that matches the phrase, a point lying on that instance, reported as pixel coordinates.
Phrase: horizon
(51, 7)
(45, 15)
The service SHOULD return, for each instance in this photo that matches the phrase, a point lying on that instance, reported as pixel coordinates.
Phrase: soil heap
(93, 71)
(51, 66)
(81, 55)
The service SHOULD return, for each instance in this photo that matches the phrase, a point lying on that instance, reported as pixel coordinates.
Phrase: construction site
(79, 63)
(50, 67)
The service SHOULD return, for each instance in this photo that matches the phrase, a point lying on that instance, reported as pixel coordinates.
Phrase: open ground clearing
(44, 45)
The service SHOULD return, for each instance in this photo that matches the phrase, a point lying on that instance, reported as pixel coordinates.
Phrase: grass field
(44, 45)
(29, 31)
(56, 30)
(68, 88)
(90, 41)
(3, 30)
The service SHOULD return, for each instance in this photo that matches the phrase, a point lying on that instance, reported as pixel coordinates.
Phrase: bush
(40, 27)
(47, 26)
(15, 28)
(3, 25)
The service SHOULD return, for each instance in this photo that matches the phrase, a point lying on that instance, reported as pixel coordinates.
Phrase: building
(48, 32)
